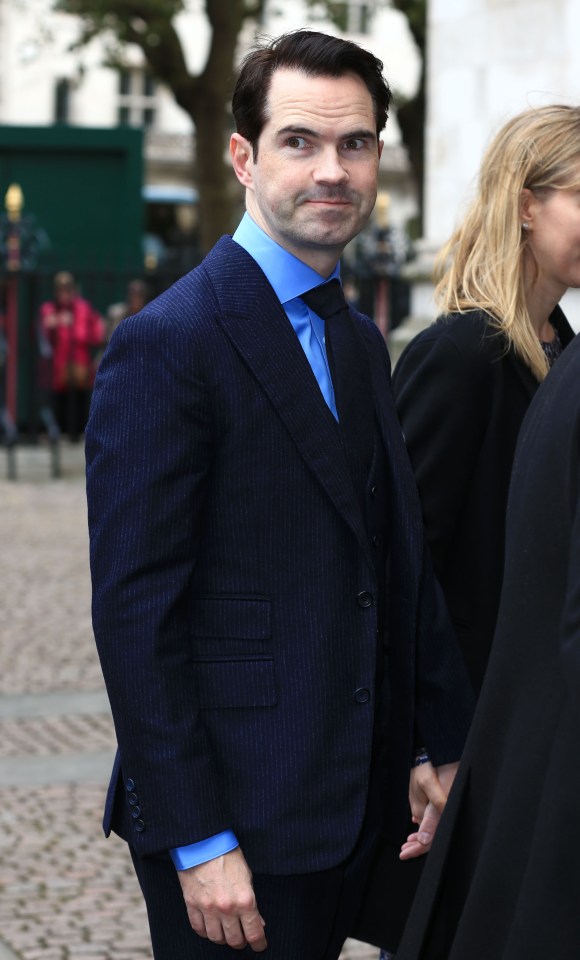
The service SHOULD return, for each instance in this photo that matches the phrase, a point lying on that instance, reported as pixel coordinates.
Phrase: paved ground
(66, 893)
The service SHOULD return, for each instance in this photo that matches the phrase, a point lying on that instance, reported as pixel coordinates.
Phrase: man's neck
(321, 259)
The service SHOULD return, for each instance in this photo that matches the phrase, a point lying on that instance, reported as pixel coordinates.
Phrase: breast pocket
(232, 656)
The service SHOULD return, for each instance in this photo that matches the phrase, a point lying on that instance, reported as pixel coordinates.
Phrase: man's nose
(330, 167)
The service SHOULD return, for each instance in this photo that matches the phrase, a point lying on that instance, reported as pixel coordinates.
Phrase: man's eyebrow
(307, 132)
(304, 131)
(360, 135)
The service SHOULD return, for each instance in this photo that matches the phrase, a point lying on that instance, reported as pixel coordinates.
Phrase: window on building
(137, 98)
(362, 14)
(62, 92)
(353, 16)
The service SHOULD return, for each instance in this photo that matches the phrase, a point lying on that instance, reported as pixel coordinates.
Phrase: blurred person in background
(134, 301)
(71, 332)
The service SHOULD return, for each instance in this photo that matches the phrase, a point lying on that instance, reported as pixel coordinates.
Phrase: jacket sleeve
(149, 453)
(442, 393)
(444, 699)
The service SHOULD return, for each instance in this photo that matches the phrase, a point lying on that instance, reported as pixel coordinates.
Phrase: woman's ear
(527, 202)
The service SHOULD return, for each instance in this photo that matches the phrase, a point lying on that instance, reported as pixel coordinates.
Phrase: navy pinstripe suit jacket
(227, 556)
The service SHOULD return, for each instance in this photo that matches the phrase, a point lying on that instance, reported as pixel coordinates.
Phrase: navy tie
(350, 372)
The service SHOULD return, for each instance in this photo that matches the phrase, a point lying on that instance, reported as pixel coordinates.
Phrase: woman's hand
(428, 791)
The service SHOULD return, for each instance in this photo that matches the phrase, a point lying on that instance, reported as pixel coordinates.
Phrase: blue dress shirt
(289, 278)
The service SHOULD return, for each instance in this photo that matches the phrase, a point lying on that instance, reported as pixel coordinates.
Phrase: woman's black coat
(461, 397)
(502, 881)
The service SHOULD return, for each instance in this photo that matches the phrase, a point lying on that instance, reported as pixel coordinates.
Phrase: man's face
(314, 183)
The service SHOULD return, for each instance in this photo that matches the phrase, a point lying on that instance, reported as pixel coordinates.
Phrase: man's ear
(242, 159)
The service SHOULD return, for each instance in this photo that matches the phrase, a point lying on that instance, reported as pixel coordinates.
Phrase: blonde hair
(481, 266)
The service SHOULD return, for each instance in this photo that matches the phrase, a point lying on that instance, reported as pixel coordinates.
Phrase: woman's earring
(525, 225)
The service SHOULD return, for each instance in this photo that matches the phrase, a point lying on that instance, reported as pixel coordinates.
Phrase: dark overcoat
(461, 396)
(502, 879)
(234, 587)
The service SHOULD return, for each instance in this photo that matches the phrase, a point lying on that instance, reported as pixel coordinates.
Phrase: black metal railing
(102, 285)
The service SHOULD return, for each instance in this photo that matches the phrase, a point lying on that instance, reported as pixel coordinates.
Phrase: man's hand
(221, 904)
(428, 792)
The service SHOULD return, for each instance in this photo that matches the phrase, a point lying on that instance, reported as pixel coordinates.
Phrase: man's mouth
(328, 201)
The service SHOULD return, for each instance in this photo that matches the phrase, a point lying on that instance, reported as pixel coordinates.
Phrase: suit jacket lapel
(406, 520)
(255, 322)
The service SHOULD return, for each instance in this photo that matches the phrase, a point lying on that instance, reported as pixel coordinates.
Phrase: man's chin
(329, 212)
(323, 241)
(328, 232)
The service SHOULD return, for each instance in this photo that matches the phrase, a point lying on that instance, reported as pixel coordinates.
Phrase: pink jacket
(73, 333)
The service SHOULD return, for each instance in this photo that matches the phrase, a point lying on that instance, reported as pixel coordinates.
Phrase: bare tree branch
(205, 97)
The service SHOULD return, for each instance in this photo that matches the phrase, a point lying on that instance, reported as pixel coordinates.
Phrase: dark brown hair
(316, 55)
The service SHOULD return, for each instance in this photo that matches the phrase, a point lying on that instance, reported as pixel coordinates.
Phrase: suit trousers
(308, 916)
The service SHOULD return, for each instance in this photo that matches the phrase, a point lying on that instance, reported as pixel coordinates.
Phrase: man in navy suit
(271, 637)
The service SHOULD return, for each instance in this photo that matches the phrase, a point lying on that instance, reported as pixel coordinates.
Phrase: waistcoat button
(365, 599)
(362, 695)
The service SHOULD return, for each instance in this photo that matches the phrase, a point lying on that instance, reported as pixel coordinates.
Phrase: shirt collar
(288, 275)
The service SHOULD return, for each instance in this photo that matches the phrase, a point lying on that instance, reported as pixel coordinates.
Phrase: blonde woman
(464, 384)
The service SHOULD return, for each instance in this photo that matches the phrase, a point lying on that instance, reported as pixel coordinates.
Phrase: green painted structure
(82, 192)
(83, 186)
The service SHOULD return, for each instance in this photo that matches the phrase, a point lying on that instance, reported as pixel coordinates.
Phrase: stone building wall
(487, 60)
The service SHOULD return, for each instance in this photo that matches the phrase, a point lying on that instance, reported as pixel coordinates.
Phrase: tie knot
(326, 299)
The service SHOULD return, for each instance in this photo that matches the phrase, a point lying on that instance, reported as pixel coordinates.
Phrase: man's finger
(233, 933)
(197, 921)
(253, 926)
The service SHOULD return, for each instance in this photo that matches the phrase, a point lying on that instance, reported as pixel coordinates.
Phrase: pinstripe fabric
(308, 916)
(228, 556)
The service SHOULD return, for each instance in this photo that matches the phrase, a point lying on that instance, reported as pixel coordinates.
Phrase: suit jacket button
(136, 812)
(139, 826)
(130, 785)
(133, 799)
(362, 695)
(365, 599)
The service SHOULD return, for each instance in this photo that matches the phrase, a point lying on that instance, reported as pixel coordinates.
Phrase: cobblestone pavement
(66, 893)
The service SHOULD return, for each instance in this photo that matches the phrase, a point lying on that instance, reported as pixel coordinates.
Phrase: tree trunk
(208, 108)
(412, 115)
(411, 118)
(214, 177)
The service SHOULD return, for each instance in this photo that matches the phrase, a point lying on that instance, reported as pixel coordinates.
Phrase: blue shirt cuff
(195, 853)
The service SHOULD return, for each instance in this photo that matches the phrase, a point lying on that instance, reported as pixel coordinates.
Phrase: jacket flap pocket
(235, 682)
(245, 618)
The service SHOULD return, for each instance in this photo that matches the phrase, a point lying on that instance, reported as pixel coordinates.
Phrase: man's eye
(297, 143)
(355, 143)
